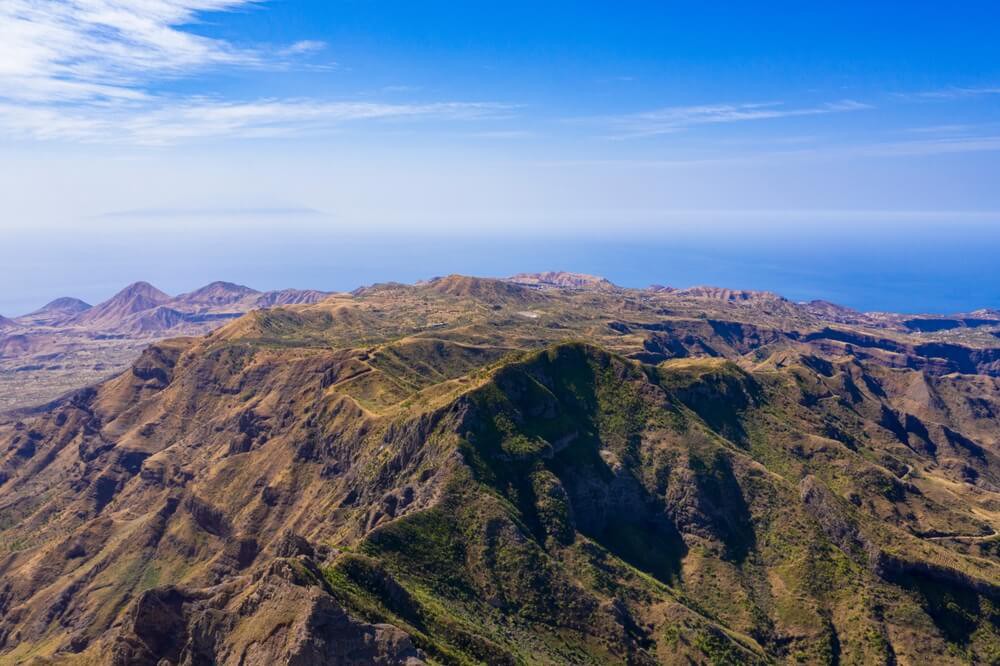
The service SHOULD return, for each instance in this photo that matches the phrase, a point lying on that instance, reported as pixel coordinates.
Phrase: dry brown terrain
(68, 344)
(548, 470)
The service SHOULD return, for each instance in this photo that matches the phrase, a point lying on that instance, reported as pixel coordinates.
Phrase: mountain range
(142, 309)
(527, 471)
(69, 342)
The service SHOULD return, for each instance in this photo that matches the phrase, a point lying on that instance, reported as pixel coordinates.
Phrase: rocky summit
(544, 470)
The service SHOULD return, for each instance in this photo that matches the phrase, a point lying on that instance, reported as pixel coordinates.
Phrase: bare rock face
(730, 295)
(288, 297)
(832, 516)
(283, 615)
(563, 279)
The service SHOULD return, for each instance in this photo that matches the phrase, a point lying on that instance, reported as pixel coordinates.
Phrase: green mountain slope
(429, 475)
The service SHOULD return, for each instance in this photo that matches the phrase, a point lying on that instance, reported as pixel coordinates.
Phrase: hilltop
(56, 312)
(474, 471)
(131, 300)
(69, 343)
(217, 293)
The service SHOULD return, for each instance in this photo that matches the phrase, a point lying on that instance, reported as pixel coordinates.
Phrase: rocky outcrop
(730, 295)
(284, 614)
(270, 299)
(423, 473)
(933, 357)
(837, 522)
(563, 280)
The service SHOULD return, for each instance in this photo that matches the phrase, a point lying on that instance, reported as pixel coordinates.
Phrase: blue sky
(629, 118)
(672, 106)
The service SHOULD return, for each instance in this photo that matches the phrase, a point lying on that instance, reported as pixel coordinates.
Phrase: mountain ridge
(216, 293)
(429, 472)
(134, 298)
(44, 356)
(141, 297)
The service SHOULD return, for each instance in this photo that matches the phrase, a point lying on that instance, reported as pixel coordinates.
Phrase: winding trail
(968, 538)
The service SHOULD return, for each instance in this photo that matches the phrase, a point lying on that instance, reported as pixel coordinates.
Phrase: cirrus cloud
(88, 50)
(196, 118)
(86, 71)
(672, 119)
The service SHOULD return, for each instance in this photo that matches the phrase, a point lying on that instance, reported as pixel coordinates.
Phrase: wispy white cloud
(946, 129)
(937, 146)
(678, 118)
(206, 118)
(86, 50)
(922, 147)
(86, 70)
(304, 46)
(954, 92)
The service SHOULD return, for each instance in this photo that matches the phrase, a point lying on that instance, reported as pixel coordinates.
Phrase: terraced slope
(473, 471)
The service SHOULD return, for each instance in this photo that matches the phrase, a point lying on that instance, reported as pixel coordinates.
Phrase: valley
(542, 469)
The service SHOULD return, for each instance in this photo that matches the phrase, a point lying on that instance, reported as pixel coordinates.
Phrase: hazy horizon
(906, 265)
(804, 150)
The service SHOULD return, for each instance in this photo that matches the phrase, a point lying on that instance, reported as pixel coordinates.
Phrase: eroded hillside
(478, 471)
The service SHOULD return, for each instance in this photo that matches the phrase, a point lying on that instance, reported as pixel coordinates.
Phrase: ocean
(930, 269)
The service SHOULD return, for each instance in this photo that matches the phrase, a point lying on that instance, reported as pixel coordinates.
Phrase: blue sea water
(931, 269)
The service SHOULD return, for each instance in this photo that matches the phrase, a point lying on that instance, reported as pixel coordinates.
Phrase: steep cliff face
(284, 613)
(428, 479)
